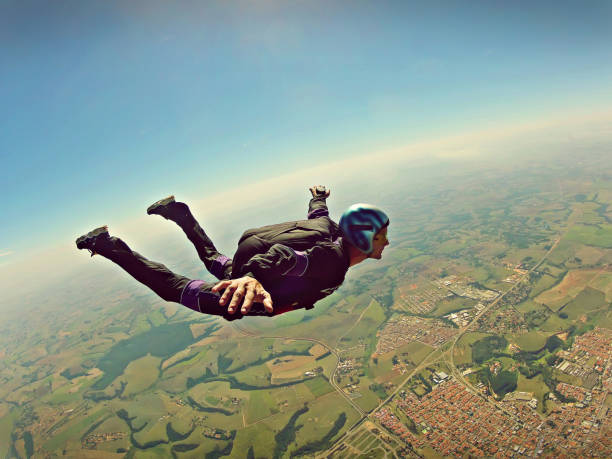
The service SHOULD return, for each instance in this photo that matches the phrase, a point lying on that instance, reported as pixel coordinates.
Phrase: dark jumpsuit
(297, 262)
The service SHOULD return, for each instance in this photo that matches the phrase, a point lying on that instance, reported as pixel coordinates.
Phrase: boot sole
(154, 208)
(84, 241)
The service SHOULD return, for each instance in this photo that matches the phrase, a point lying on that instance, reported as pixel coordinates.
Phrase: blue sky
(107, 106)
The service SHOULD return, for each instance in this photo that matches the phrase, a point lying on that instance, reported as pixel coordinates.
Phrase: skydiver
(276, 268)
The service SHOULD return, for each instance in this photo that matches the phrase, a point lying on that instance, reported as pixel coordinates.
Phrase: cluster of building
(465, 316)
(421, 300)
(580, 394)
(456, 422)
(461, 287)
(91, 441)
(519, 272)
(575, 369)
(596, 342)
(216, 433)
(409, 328)
(583, 430)
(589, 358)
(525, 397)
(507, 320)
(513, 278)
(348, 366)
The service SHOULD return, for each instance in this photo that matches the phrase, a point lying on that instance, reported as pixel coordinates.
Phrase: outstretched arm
(317, 206)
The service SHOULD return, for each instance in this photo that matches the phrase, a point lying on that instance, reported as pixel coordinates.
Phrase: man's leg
(195, 294)
(168, 285)
(216, 263)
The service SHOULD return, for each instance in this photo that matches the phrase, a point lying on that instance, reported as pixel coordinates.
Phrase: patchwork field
(133, 374)
(569, 287)
(290, 368)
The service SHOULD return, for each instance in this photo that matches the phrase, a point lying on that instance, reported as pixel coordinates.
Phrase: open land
(485, 330)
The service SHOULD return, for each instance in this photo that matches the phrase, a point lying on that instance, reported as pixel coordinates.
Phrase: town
(455, 421)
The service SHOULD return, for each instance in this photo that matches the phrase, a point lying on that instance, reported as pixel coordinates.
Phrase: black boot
(94, 240)
(169, 209)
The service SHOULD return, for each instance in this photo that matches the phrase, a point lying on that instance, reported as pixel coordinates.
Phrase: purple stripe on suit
(189, 296)
(217, 267)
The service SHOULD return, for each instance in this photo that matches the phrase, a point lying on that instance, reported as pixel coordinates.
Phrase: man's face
(379, 243)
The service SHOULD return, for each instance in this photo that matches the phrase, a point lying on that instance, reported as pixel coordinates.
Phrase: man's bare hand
(319, 191)
(245, 290)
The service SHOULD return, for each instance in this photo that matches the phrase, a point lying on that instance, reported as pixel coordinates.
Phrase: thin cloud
(7, 253)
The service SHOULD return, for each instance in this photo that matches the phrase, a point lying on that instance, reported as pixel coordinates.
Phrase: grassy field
(246, 351)
(564, 251)
(330, 327)
(288, 399)
(571, 285)
(112, 424)
(290, 367)
(451, 304)
(382, 365)
(528, 305)
(6, 427)
(463, 350)
(206, 446)
(214, 393)
(181, 355)
(430, 453)
(586, 301)
(414, 351)
(552, 270)
(222, 392)
(603, 281)
(318, 386)
(320, 419)
(368, 399)
(535, 385)
(588, 256)
(256, 375)
(261, 405)
(260, 436)
(372, 318)
(542, 284)
(605, 319)
(531, 341)
(174, 379)
(154, 431)
(328, 363)
(73, 430)
(554, 324)
(141, 374)
(317, 350)
(597, 235)
(162, 341)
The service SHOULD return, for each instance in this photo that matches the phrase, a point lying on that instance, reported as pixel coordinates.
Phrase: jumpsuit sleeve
(282, 261)
(317, 207)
